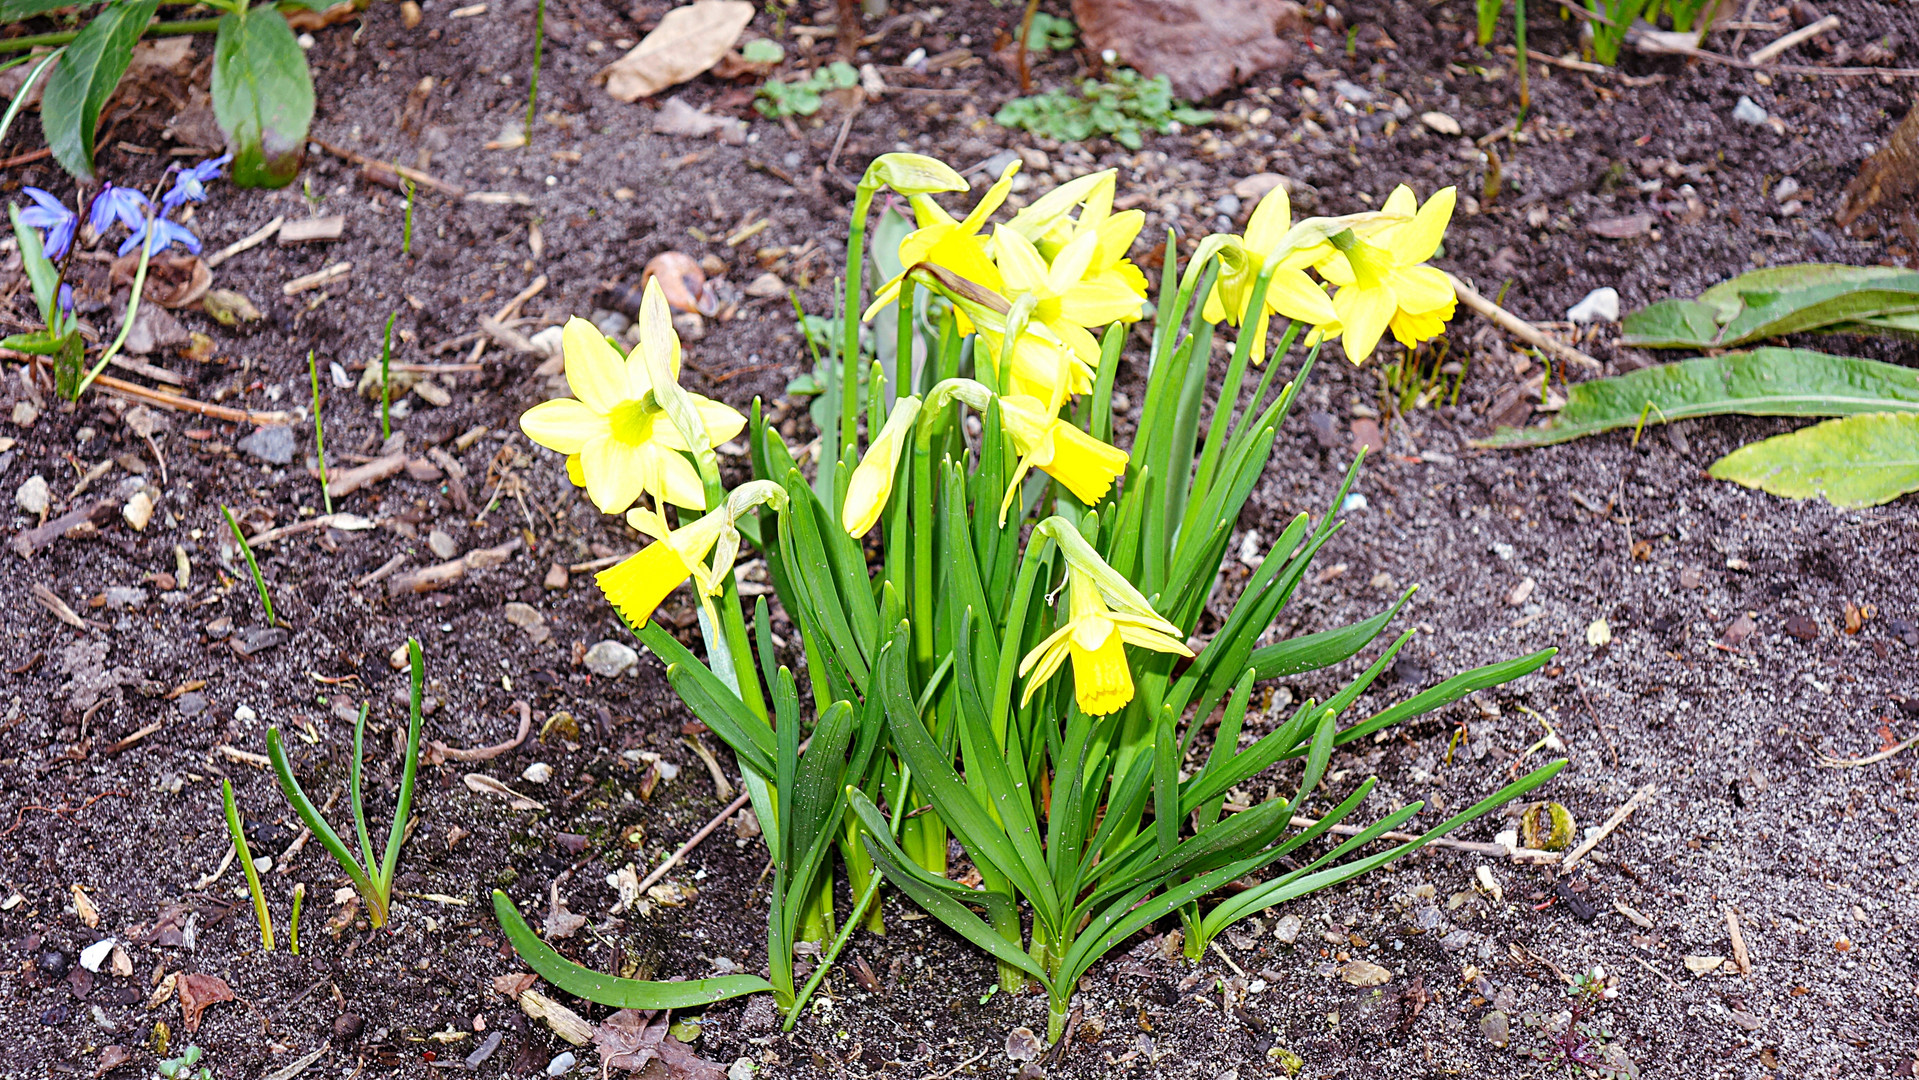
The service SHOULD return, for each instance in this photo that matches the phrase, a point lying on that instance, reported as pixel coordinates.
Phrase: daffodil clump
(1000, 607)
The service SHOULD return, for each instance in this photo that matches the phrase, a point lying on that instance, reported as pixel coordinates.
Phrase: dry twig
(1572, 857)
(1518, 327)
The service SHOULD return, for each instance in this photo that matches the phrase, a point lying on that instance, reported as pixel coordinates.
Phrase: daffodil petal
(1422, 288)
(1365, 314)
(1296, 296)
(679, 481)
(595, 371)
(1416, 241)
(723, 422)
(1270, 220)
(636, 586)
(563, 424)
(1402, 201)
(1098, 301)
(1019, 262)
(1072, 263)
(617, 473)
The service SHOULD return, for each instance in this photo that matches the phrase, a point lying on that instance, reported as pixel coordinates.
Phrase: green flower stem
(850, 342)
(386, 355)
(246, 863)
(126, 327)
(253, 567)
(407, 772)
(172, 29)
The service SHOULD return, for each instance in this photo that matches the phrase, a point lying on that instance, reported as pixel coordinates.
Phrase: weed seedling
(245, 855)
(253, 567)
(406, 229)
(293, 930)
(181, 1068)
(319, 428)
(373, 881)
(1121, 110)
(533, 84)
(386, 357)
(802, 97)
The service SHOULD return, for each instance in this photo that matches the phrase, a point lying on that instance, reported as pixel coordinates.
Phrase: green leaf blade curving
(1853, 462)
(262, 96)
(610, 990)
(1763, 382)
(85, 78)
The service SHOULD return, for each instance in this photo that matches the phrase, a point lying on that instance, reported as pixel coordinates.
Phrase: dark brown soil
(1814, 861)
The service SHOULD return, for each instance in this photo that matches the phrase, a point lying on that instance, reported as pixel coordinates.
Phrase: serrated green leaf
(609, 990)
(84, 79)
(1853, 462)
(262, 96)
(1763, 382)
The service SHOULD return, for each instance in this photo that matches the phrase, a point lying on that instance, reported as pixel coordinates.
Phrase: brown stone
(1202, 46)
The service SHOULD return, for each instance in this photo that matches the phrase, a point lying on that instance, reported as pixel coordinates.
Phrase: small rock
(741, 1069)
(1785, 189)
(556, 578)
(53, 963)
(95, 954)
(119, 963)
(1739, 631)
(245, 714)
(610, 323)
(1287, 928)
(1700, 965)
(138, 511)
(1521, 592)
(1458, 939)
(123, 598)
(548, 342)
(1227, 204)
(1802, 627)
(1325, 429)
(537, 773)
(1749, 111)
(1023, 1045)
(441, 544)
(1497, 1027)
(347, 1026)
(523, 615)
(1440, 122)
(766, 285)
(273, 445)
(610, 659)
(33, 496)
(562, 1064)
(1351, 91)
(1691, 577)
(1600, 305)
(997, 164)
(24, 414)
(1256, 186)
(218, 629)
(410, 15)
(1364, 973)
(257, 639)
(191, 703)
(1744, 1019)
(1598, 634)
(1366, 433)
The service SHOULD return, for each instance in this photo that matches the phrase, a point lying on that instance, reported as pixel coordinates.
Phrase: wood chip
(499, 198)
(352, 480)
(134, 738)
(343, 522)
(312, 230)
(430, 578)
(565, 1023)
(235, 754)
(482, 784)
(52, 602)
(1638, 918)
(251, 240)
(136, 392)
(316, 279)
(1740, 957)
(438, 752)
(1572, 857)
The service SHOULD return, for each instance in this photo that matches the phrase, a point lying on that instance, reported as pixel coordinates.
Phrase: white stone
(1440, 122)
(1600, 305)
(138, 511)
(537, 773)
(33, 496)
(561, 1065)
(610, 659)
(1749, 111)
(95, 954)
(245, 714)
(742, 1069)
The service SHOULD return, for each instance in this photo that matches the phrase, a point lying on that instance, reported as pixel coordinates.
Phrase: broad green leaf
(42, 275)
(1763, 382)
(12, 11)
(1773, 302)
(609, 990)
(84, 80)
(262, 96)
(1853, 462)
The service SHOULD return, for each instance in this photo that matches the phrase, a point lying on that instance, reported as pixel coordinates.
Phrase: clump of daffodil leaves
(999, 606)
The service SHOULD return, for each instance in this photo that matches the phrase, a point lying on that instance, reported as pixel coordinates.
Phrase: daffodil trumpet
(638, 585)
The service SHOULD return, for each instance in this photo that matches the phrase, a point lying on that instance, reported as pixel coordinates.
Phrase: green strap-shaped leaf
(90, 69)
(1763, 382)
(1853, 462)
(609, 990)
(1310, 652)
(1446, 693)
(42, 275)
(262, 96)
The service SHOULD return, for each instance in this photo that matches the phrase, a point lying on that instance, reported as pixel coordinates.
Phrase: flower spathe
(1383, 280)
(627, 445)
(637, 585)
(1105, 614)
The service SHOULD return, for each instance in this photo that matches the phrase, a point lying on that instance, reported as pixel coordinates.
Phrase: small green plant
(532, 88)
(373, 881)
(245, 855)
(1121, 110)
(262, 90)
(181, 1068)
(803, 97)
(1576, 1042)
(319, 430)
(293, 930)
(1488, 12)
(406, 230)
(253, 566)
(1611, 20)
(386, 396)
(1051, 33)
(763, 51)
(1686, 15)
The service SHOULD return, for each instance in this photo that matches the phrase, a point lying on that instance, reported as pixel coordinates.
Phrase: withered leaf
(198, 991)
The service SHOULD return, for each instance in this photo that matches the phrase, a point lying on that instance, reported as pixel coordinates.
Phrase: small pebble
(33, 496)
(610, 659)
(53, 964)
(441, 544)
(1364, 973)
(1802, 627)
(1749, 111)
(1287, 928)
(1785, 189)
(273, 445)
(138, 511)
(95, 954)
(1497, 1028)
(1600, 305)
(556, 577)
(561, 1065)
(1440, 122)
(245, 714)
(347, 1026)
(537, 773)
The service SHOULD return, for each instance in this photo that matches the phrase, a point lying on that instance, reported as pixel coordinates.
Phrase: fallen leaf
(229, 308)
(629, 1039)
(687, 42)
(84, 908)
(515, 984)
(164, 992)
(560, 923)
(1364, 973)
(111, 1058)
(196, 993)
(1621, 228)
(1887, 178)
(676, 117)
(486, 785)
(1700, 965)
(173, 281)
(1023, 1045)
(1201, 46)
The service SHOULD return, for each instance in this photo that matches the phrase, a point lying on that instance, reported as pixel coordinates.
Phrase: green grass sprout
(293, 931)
(533, 84)
(406, 231)
(253, 567)
(319, 428)
(386, 398)
(245, 856)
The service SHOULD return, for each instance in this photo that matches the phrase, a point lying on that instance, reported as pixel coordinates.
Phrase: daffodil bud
(871, 484)
(912, 174)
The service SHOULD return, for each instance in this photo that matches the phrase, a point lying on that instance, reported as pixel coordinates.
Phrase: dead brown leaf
(688, 41)
(196, 993)
(1201, 46)
(304, 19)
(1887, 178)
(111, 1058)
(514, 985)
(173, 281)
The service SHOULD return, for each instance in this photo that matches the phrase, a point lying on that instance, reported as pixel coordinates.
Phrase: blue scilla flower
(66, 300)
(165, 234)
(54, 219)
(190, 185)
(122, 204)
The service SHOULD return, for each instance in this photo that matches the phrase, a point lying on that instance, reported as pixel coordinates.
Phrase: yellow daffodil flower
(1290, 292)
(871, 484)
(955, 245)
(1383, 280)
(1046, 223)
(637, 585)
(614, 426)
(1043, 366)
(1066, 299)
(1105, 614)
(1082, 464)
